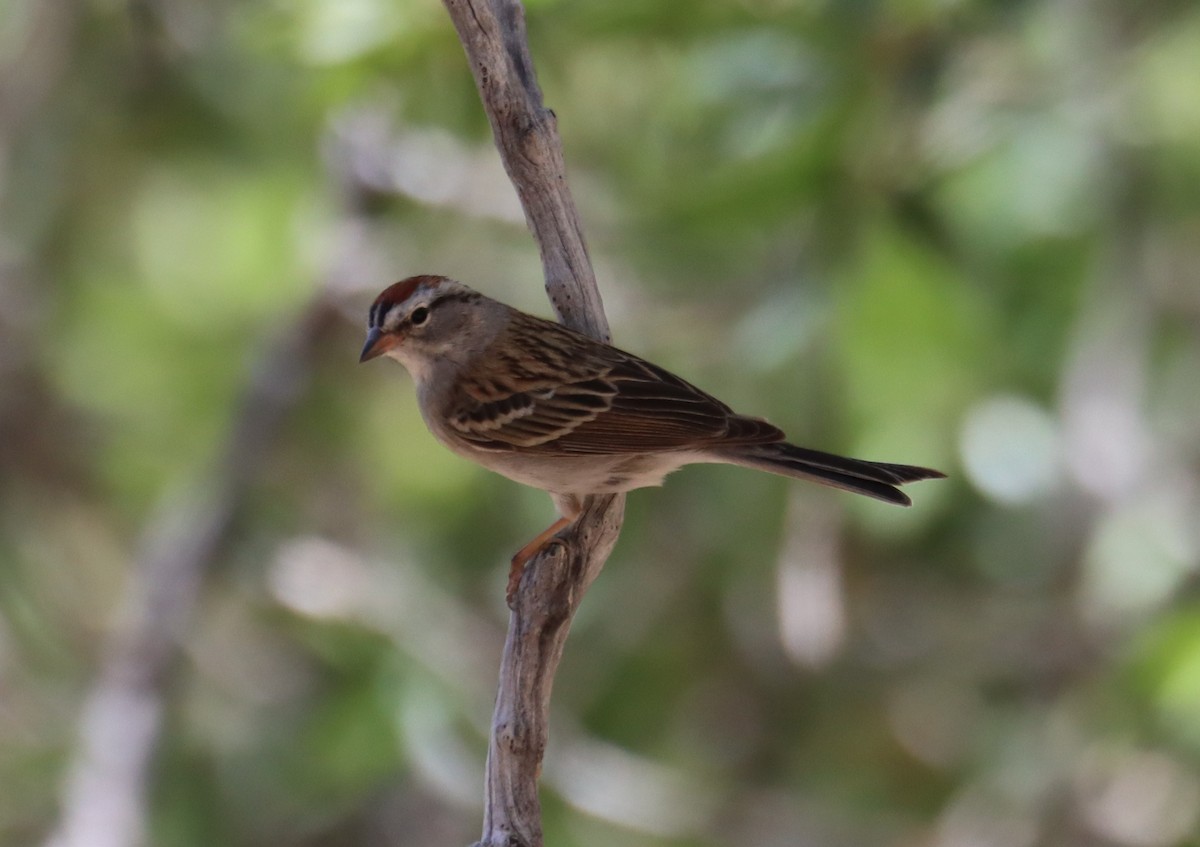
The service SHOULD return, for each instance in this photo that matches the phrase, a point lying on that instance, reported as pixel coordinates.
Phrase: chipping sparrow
(552, 408)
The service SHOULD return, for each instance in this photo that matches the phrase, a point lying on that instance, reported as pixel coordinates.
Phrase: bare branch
(493, 35)
(526, 133)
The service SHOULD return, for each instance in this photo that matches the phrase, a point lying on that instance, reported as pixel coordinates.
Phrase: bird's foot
(521, 558)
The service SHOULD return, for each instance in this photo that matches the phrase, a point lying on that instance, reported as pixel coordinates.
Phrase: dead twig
(526, 134)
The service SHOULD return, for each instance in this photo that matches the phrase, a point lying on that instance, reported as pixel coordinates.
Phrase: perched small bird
(552, 408)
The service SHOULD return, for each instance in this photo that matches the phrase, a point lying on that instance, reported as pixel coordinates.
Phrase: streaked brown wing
(653, 409)
(613, 402)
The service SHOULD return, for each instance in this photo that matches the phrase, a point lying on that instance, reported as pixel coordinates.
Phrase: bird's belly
(583, 475)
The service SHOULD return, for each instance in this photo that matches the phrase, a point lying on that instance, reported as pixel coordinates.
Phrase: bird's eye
(419, 316)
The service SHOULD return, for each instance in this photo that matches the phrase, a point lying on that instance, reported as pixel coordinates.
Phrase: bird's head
(420, 319)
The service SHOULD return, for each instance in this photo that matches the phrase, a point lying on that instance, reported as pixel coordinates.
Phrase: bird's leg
(522, 557)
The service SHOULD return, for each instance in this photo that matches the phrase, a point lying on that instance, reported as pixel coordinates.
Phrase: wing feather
(609, 402)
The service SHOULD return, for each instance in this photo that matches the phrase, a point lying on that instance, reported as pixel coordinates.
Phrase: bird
(555, 409)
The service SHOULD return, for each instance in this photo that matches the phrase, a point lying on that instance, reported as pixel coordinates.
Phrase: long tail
(874, 479)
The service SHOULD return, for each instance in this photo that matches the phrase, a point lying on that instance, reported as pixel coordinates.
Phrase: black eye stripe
(379, 311)
(457, 297)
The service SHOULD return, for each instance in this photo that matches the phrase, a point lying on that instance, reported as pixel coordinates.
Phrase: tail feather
(874, 479)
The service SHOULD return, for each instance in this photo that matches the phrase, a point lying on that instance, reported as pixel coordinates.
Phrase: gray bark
(526, 134)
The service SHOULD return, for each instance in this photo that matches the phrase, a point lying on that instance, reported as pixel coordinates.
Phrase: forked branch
(526, 134)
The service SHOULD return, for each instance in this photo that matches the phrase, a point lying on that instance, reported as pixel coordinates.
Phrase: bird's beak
(378, 343)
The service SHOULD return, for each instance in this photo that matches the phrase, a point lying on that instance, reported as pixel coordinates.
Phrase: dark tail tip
(874, 479)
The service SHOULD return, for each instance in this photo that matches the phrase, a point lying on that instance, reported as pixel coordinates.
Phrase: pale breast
(580, 475)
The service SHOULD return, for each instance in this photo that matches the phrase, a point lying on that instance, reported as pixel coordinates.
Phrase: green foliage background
(961, 233)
